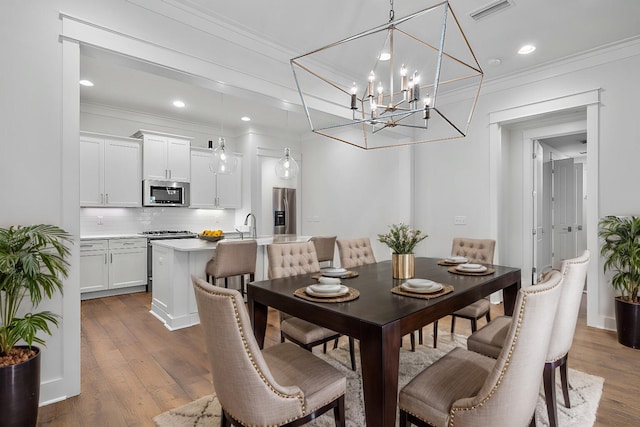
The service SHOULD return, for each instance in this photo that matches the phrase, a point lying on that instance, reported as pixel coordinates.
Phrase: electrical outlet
(100, 217)
(460, 220)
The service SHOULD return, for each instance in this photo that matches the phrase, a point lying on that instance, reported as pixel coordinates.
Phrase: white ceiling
(559, 29)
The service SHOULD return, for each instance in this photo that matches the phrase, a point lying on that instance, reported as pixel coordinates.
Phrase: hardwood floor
(133, 368)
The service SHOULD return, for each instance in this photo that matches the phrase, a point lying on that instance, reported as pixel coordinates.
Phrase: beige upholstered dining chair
(292, 259)
(465, 388)
(237, 258)
(476, 251)
(325, 248)
(358, 252)
(280, 385)
(355, 252)
(490, 339)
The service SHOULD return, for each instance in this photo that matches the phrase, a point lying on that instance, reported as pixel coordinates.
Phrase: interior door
(537, 209)
(581, 240)
(542, 258)
(564, 211)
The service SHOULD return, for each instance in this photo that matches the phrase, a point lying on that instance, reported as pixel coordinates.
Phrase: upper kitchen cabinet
(110, 171)
(166, 157)
(214, 191)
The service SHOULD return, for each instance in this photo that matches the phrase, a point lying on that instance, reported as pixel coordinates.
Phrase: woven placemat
(487, 272)
(400, 291)
(448, 263)
(351, 295)
(348, 275)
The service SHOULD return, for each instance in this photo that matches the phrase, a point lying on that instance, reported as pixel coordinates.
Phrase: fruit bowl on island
(211, 235)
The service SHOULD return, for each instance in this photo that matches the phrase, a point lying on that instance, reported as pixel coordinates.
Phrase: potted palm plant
(621, 252)
(402, 240)
(32, 264)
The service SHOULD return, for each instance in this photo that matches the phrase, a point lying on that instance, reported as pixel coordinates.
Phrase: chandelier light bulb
(372, 79)
(404, 83)
(354, 91)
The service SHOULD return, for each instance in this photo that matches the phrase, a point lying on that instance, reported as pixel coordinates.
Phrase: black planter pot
(20, 392)
(628, 323)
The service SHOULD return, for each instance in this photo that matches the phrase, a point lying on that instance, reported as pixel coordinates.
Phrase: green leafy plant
(621, 252)
(32, 264)
(401, 238)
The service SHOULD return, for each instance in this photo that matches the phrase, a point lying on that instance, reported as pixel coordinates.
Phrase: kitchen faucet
(254, 232)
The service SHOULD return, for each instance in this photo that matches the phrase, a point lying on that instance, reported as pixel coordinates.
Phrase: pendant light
(221, 162)
(286, 166)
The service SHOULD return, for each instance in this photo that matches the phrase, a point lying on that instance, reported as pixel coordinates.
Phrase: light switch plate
(460, 220)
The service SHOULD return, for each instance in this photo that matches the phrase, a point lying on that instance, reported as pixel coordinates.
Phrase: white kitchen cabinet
(165, 157)
(94, 265)
(210, 190)
(110, 171)
(112, 264)
(175, 263)
(127, 263)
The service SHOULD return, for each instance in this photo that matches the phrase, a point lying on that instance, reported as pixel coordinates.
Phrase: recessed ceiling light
(494, 62)
(86, 82)
(526, 49)
(385, 56)
(245, 119)
(178, 103)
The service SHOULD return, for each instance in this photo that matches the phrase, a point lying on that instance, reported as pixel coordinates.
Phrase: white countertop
(112, 236)
(203, 245)
(186, 245)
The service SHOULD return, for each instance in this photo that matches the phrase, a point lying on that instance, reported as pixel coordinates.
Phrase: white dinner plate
(329, 280)
(457, 259)
(334, 272)
(326, 289)
(435, 287)
(471, 267)
(342, 290)
(420, 283)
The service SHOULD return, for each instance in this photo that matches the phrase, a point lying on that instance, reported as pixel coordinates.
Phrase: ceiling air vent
(490, 8)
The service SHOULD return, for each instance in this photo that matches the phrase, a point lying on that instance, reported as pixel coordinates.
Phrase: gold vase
(402, 266)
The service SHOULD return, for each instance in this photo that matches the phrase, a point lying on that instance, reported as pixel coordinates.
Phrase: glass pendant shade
(286, 166)
(222, 162)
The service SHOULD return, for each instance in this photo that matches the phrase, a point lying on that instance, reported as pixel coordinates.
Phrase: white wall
(37, 166)
(351, 193)
(465, 165)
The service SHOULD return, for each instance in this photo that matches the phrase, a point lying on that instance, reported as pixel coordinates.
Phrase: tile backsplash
(110, 221)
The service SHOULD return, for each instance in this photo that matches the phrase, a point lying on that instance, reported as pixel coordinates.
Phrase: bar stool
(325, 248)
(236, 258)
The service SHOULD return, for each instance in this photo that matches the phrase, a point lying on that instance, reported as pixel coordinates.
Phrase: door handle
(569, 229)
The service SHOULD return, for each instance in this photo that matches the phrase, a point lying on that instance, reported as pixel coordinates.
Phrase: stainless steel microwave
(165, 193)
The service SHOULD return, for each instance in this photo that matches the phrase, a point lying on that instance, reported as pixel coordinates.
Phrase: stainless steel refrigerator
(284, 210)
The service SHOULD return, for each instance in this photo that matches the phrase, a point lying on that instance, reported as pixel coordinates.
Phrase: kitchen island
(175, 261)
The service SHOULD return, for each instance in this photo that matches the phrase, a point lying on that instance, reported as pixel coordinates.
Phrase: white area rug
(585, 392)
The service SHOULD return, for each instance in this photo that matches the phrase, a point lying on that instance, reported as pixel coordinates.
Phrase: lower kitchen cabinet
(112, 266)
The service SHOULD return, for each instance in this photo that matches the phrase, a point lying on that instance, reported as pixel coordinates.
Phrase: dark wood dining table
(380, 318)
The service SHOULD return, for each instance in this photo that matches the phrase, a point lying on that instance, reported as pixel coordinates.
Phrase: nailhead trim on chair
(564, 273)
(298, 396)
(504, 368)
(506, 364)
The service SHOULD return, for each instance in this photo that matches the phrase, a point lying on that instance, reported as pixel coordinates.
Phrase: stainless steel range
(161, 235)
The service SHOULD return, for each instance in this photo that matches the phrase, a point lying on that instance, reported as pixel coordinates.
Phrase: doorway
(511, 204)
(559, 173)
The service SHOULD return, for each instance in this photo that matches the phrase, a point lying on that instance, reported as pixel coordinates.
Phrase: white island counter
(176, 260)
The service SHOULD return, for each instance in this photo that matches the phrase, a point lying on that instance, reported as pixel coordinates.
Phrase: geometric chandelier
(408, 81)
